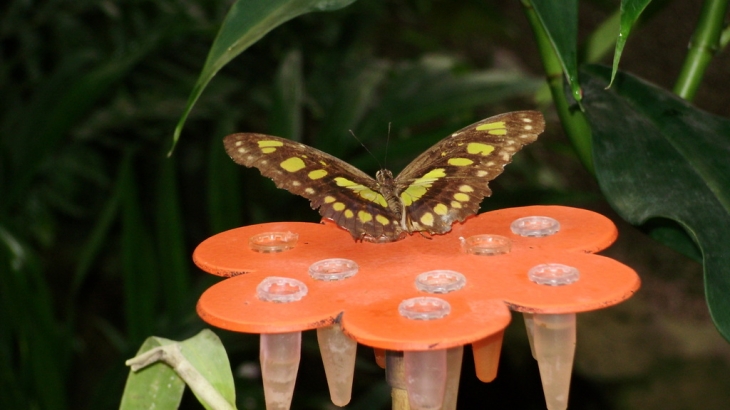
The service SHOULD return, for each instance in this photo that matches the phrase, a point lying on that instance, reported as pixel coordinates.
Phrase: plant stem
(724, 38)
(574, 122)
(704, 44)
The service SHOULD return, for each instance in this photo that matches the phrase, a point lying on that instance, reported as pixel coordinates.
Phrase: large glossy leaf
(245, 24)
(657, 156)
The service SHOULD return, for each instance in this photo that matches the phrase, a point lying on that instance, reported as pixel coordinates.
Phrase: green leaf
(154, 387)
(69, 94)
(602, 40)
(139, 262)
(224, 188)
(207, 354)
(560, 21)
(352, 95)
(34, 346)
(285, 119)
(158, 386)
(630, 12)
(171, 250)
(431, 89)
(657, 156)
(96, 240)
(246, 23)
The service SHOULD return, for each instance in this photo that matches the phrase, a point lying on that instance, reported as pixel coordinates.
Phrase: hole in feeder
(333, 269)
(270, 242)
(486, 244)
(440, 281)
(424, 308)
(281, 290)
(535, 226)
(553, 274)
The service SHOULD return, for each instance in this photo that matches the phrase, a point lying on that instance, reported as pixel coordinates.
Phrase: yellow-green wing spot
(348, 214)
(269, 146)
(441, 209)
(338, 206)
(420, 185)
(340, 181)
(383, 220)
(427, 219)
(460, 162)
(479, 148)
(292, 164)
(494, 128)
(364, 217)
(363, 191)
(461, 197)
(329, 199)
(317, 174)
(466, 188)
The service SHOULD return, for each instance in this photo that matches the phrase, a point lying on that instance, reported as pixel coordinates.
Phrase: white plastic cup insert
(486, 245)
(281, 290)
(553, 274)
(535, 226)
(424, 308)
(271, 242)
(440, 281)
(333, 269)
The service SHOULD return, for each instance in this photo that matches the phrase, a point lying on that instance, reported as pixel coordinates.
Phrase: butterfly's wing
(448, 181)
(340, 191)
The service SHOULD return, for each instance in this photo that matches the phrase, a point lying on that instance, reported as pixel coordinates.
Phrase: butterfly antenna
(366, 149)
(387, 144)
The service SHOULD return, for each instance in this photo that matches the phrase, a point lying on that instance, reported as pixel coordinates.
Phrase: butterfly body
(444, 184)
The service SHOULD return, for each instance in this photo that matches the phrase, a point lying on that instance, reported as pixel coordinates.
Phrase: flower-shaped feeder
(417, 301)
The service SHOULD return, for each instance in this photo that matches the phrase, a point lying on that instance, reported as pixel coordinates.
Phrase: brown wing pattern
(448, 182)
(338, 190)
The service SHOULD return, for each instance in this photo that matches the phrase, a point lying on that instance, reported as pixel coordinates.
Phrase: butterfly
(444, 184)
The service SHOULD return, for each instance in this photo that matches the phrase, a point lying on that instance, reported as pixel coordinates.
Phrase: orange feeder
(417, 301)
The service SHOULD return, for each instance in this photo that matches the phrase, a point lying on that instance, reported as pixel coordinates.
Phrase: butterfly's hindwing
(338, 190)
(460, 166)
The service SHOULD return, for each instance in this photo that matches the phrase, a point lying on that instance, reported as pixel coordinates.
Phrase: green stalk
(704, 44)
(724, 38)
(574, 122)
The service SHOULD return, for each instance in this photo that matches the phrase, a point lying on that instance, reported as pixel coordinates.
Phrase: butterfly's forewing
(448, 181)
(340, 191)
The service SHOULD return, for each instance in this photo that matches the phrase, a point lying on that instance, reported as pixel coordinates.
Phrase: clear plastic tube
(279, 354)
(338, 356)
